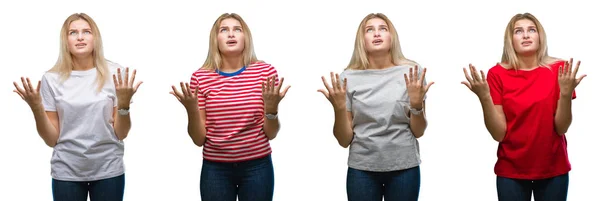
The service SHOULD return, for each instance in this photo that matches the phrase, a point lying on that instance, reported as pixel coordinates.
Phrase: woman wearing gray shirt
(81, 110)
(379, 104)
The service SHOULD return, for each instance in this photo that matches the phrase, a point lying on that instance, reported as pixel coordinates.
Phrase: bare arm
(418, 123)
(122, 123)
(342, 127)
(564, 116)
(271, 127)
(494, 118)
(197, 126)
(46, 124)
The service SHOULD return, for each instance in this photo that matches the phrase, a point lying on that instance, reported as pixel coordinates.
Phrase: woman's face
(526, 40)
(377, 36)
(80, 39)
(230, 37)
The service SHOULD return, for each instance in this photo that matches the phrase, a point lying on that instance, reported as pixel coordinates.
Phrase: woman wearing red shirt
(521, 97)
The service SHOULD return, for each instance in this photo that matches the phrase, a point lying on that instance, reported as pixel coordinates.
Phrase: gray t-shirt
(87, 148)
(379, 103)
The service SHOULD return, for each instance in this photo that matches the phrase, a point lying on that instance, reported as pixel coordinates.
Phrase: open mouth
(231, 42)
(80, 45)
(377, 41)
(526, 43)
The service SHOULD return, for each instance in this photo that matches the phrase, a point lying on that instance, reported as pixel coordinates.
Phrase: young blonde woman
(379, 106)
(526, 100)
(232, 107)
(81, 109)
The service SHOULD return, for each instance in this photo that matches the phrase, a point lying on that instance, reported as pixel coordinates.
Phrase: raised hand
(336, 93)
(125, 88)
(272, 94)
(476, 83)
(28, 93)
(187, 97)
(566, 77)
(416, 89)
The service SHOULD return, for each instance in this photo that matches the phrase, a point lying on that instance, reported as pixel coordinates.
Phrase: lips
(231, 42)
(80, 45)
(526, 43)
(377, 41)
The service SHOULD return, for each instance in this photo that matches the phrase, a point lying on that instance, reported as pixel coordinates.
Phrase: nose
(230, 34)
(376, 33)
(79, 37)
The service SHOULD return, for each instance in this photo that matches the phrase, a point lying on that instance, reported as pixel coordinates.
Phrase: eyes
(85, 32)
(530, 30)
(371, 29)
(225, 29)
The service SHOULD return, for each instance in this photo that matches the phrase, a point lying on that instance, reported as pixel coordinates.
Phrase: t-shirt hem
(533, 176)
(93, 178)
(389, 169)
(240, 160)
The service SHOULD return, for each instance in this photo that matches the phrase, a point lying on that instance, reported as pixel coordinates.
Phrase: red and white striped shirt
(234, 112)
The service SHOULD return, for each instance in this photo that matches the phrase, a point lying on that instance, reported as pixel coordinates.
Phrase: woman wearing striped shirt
(379, 106)
(232, 103)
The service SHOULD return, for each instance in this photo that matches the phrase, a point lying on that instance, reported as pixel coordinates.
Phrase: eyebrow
(233, 27)
(527, 27)
(370, 26)
(86, 29)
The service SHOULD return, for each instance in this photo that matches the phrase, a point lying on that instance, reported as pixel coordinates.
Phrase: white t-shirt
(87, 148)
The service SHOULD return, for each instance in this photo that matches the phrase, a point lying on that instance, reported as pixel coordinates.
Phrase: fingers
(570, 66)
(127, 77)
(482, 75)
(576, 68)
(188, 89)
(474, 73)
(176, 93)
(39, 86)
(31, 89)
(422, 77)
(338, 83)
(324, 93)
(20, 94)
(183, 90)
(345, 83)
(25, 86)
(18, 88)
(115, 80)
(428, 85)
(406, 79)
(467, 76)
(325, 83)
(580, 78)
(132, 77)
(272, 84)
(410, 75)
(119, 79)
(282, 94)
(466, 84)
(278, 89)
(135, 88)
(333, 81)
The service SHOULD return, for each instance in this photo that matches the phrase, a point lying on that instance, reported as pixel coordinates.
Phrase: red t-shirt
(234, 112)
(531, 148)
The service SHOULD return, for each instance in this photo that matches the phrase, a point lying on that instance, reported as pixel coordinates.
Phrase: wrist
(39, 107)
(416, 105)
(270, 110)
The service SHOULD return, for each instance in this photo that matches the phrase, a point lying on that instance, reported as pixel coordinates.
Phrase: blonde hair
(64, 65)
(214, 60)
(510, 59)
(360, 61)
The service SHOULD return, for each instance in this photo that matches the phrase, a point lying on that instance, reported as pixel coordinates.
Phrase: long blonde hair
(510, 59)
(64, 65)
(360, 61)
(214, 59)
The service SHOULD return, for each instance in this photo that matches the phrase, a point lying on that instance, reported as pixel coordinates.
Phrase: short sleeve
(47, 95)
(201, 98)
(348, 94)
(495, 85)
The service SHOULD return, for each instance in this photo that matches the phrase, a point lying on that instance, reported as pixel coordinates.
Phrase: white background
(304, 40)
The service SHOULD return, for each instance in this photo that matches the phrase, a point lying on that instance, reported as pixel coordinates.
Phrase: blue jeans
(551, 189)
(393, 186)
(110, 189)
(252, 180)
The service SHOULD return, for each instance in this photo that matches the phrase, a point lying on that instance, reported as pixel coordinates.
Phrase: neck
(83, 63)
(231, 63)
(528, 62)
(380, 61)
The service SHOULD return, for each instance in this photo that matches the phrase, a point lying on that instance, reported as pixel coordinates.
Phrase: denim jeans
(248, 181)
(393, 186)
(110, 189)
(551, 189)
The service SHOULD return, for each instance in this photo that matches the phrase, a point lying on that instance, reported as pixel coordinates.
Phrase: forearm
(48, 132)
(271, 127)
(196, 127)
(122, 126)
(564, 116)
(418, 123)
(342, 128)
(494, 122)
